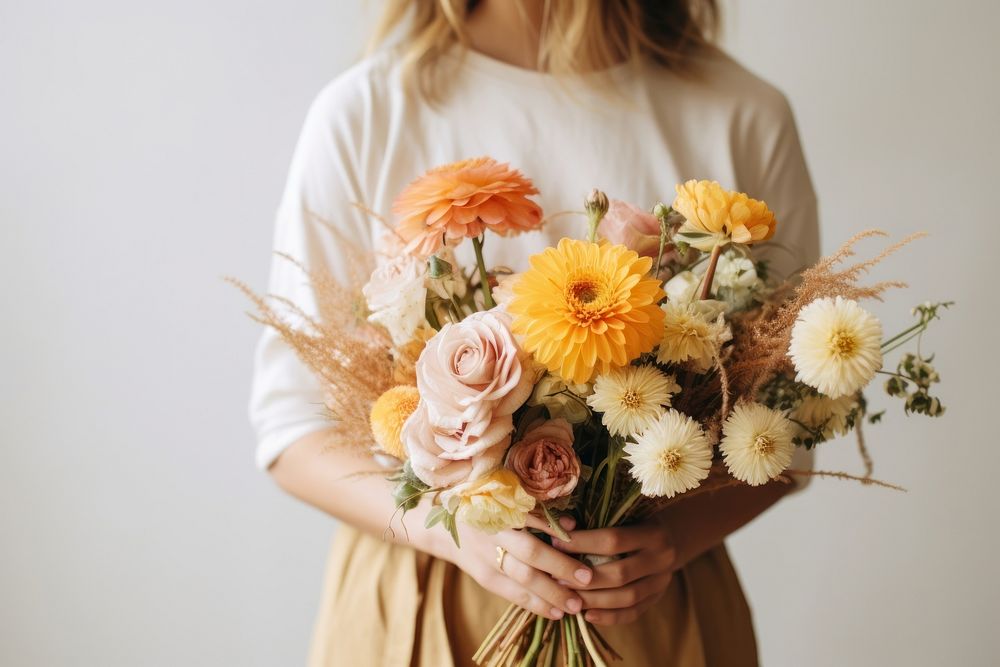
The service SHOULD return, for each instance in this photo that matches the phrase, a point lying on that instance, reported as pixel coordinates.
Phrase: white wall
(142, 152)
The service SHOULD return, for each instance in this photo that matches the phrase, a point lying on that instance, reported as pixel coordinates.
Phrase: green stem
(536, 643)
(916, 329)
(633, 495)
(572, 648)
(484, 277)
(614, 455)
(663, 243)
(897, 343)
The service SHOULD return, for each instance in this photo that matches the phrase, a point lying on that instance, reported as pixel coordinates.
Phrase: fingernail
(557, 543)
(562, 582)
(567, 522)
(557, 613)
(583, 576)
(574, 606)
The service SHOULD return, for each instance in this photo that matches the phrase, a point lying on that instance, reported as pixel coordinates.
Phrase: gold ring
(501, 552)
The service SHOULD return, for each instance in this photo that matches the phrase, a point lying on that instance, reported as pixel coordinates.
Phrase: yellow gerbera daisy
(585, 307)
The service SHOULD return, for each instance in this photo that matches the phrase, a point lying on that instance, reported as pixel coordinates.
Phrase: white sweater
(365, 138)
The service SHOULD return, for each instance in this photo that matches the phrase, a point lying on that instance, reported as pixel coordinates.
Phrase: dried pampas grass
(352, 358)
(760, 351)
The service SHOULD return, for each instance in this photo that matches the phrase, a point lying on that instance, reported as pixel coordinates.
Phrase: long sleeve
(776, 173)
(286, 400)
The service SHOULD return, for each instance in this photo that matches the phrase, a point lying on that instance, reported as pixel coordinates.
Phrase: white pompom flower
(756, 443)
(673, 455)
(836, 346)
(632, 397)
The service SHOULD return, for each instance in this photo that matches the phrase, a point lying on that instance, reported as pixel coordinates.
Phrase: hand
(621, 590)
(530, 568)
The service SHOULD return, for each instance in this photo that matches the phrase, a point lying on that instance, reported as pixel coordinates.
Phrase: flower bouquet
(651, 360)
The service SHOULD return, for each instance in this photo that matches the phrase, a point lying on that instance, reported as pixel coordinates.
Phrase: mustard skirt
(386, 605)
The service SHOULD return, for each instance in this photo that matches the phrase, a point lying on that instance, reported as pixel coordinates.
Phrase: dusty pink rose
(544, 460)
(441, 468)
(631, 227)
(472, 376)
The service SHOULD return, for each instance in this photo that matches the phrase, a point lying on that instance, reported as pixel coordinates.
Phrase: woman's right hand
(531, 568)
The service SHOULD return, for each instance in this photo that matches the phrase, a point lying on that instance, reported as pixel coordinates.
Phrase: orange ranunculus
(462, 200)
(715, 216)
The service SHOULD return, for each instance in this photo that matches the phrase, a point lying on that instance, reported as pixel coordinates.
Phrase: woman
(625, 95)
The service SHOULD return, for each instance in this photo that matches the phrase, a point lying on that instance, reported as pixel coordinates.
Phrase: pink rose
(544, 460)
(631, 227)
(440, 468)
(472, 376)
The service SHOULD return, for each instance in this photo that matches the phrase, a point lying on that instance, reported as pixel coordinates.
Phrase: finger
(558, 598)
(567, 523)
(603, 541)
(541, 556)
(525, 599)
(619, 616)
(621, 572)
(627, 596)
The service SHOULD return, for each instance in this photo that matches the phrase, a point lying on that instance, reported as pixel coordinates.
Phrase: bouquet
(649, 360)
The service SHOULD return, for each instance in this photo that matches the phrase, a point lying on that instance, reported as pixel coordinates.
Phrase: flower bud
(437, 267)
(661, 210)
(596, 204)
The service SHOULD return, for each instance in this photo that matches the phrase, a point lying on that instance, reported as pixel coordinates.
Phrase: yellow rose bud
(491, 503)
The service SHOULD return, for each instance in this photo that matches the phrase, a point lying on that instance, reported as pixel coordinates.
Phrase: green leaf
(554, 524)
(452, 527)
(435, 516)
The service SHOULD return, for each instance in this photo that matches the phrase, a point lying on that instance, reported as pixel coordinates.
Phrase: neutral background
(142, 152)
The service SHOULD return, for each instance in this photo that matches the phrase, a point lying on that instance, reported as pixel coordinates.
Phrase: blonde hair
(578, 36)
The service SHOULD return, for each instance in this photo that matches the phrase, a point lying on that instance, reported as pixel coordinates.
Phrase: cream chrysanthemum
(631, 398)
(690, 336)
(824, 415)
(836, 346)
(671, 456)
(756, 443)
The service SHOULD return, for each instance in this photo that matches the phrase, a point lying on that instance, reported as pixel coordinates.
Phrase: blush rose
(544, 460)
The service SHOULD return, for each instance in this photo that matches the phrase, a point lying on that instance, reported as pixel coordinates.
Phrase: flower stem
(633, 495)
(484, 277)
(663, 242)
(706, 288)
(536, 643)
(591, 649)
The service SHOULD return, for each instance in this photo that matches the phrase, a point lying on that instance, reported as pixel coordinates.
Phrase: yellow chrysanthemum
(836, 346)
(690, 336)
(586, 307)
(388, 414)
(715, 216)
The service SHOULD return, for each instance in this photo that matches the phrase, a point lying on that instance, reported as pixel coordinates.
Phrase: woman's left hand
(621, 590)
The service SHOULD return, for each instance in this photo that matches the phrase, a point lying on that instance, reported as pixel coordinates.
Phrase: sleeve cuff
(270, 446)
